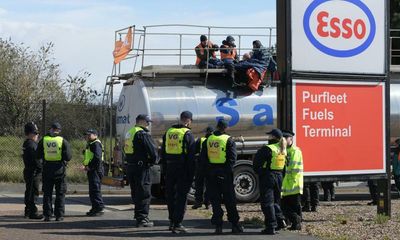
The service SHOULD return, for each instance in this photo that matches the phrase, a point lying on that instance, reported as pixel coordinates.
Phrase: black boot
(237, 228)
(218, 230)
(281, 225)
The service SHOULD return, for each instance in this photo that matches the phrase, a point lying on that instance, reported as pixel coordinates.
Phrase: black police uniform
(139, 163)
(310, 197)
(54, 173)
(270, 189)
(179, 169)
(95, 173)
(219, 179)
(200, 195)
(32, 175)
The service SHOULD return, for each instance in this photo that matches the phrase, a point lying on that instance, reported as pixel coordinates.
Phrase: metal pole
(240, 37)
(111, 123)
(270, 37)
(43, 117)
(144, 45)
(180, 49)
(208, 55)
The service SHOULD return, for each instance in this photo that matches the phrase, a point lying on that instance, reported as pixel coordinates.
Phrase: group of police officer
(216, 156)
(48, 160)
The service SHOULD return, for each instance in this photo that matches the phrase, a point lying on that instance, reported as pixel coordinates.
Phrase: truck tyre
(245, 183)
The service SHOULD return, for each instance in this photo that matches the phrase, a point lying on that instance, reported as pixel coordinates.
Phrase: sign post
(336, 84)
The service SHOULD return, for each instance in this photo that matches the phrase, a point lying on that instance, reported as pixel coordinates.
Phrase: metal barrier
(146, 37)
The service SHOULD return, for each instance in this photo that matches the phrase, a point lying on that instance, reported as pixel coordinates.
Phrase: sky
(83, 30)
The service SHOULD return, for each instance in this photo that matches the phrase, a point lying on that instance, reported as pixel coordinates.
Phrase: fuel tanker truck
(164, 92)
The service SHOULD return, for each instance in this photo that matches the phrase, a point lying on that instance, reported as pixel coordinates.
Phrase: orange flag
(122, 48)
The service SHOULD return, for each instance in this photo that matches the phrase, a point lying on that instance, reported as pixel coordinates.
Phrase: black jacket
(230, 156)
(264, 154)
(96, 163)
(29, 156)
(145, 149)
(55, 168)
(187, 159)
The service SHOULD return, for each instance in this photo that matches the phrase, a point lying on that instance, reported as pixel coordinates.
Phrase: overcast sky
(83, 30)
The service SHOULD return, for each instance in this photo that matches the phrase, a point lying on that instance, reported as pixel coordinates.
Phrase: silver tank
(249, 116)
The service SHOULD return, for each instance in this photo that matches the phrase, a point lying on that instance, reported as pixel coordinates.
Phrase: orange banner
(122, 48)
(340, 128)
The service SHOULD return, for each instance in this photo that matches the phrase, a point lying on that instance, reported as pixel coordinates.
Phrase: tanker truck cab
(164, 91)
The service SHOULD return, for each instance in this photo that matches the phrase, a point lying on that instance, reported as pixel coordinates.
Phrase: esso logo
(339, 28)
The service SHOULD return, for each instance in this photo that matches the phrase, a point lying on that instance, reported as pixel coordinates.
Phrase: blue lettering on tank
(227, 110)
(266, 117)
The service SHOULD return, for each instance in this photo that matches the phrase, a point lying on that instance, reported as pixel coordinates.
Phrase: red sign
(340, 127)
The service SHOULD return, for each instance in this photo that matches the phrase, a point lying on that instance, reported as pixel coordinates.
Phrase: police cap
(287, 133)
(144, 117)
(56, 125)
(276, 132)
(222, 124)
(91, 131)
(186, 115)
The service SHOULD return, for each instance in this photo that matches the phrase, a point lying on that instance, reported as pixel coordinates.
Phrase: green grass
(381, 219)
(12, 165)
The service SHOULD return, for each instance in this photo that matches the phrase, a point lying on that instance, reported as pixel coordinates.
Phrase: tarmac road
(116, 223)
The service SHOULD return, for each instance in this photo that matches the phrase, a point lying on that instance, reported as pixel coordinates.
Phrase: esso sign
(343, 31)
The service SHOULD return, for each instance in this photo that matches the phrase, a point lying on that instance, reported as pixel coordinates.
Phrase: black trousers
(200, 194)
(291, 207)
(221, 190)
(397, 181)
(177, 187)
(329, 190)
(49, 182)
(270, 198)
(140, 183)
(32, 180)
(94, 178)
(373, 190)
(311, 194)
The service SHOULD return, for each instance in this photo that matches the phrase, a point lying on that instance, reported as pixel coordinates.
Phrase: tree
(77, 91)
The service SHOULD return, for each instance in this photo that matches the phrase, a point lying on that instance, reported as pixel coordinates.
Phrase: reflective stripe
(174, 140)
(216, 148)
(88, 157)
(52, 148)
(129, 136)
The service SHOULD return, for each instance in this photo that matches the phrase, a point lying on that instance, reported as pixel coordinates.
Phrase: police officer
(200, 195)
(218, 156)
(140, 154)
(93, 162)
(32, 170)
(178, 153)
(292, 185)
(269, 163)
(55, 152)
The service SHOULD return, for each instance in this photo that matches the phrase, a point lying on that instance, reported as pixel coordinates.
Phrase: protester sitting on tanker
(206, 52)
(260, 52)
(246, 57)
(229, 57)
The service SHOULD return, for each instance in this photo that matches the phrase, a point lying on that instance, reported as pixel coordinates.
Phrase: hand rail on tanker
(142, 49)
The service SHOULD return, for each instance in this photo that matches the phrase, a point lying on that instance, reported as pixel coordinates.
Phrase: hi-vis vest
(174, 140)
(293, 181)
(216, 148)
(52, 148)
(278, 160)
(201, 48)
(129, 136)
(89, 154)
(230, 55)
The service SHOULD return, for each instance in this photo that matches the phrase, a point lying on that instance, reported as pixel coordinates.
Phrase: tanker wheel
(245, 184)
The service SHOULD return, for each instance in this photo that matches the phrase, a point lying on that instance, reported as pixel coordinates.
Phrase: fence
(74, 119)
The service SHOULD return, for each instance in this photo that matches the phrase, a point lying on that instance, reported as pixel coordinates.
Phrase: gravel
(335, 220)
